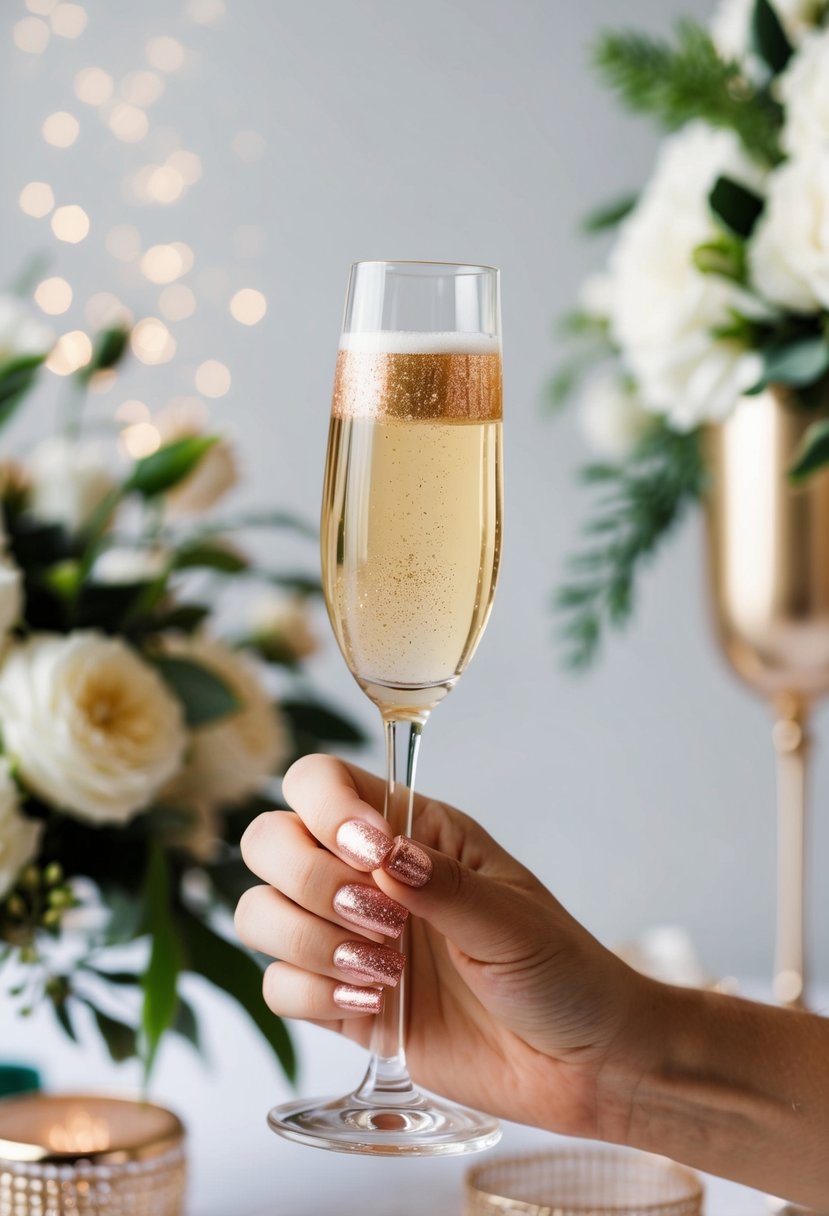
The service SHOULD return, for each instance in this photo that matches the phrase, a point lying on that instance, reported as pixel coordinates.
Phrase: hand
(514, 1007)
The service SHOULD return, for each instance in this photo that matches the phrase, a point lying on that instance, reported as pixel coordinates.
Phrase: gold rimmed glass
(411, 541)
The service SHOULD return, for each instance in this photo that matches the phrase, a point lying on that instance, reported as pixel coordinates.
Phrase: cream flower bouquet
(717, 284)
(137, 744)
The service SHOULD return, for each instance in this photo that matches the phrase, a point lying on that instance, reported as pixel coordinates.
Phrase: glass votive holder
(581, 1180)
(89, 1156)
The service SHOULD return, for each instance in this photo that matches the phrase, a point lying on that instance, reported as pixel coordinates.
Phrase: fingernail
(370, 963)
(363, 844)
(370, 909)
(365, 1000)
(408, 863)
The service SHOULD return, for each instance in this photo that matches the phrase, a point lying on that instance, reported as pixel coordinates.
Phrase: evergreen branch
(640, 502)
(688, 80)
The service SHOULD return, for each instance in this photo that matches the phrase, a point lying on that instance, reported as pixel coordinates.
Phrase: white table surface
(239, 1167)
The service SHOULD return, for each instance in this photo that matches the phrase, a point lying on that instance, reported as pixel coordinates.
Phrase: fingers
(280, 850)
(293, 993)
(268, 922)
(338, 805)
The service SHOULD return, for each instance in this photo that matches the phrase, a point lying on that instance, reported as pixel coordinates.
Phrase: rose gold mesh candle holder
(582, 1182)
(90, 1156)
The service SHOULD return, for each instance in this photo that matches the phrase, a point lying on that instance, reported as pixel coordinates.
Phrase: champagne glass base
(422, 1126)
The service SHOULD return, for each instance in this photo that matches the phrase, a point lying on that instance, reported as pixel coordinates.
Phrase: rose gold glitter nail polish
(365, 1000)
(363, 844)
(370, 909)
(408, 863)
(370, 963)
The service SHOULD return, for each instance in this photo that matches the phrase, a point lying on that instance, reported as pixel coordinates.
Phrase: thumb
(484, 918)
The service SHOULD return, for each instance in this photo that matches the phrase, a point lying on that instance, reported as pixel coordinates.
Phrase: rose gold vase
(768, 552)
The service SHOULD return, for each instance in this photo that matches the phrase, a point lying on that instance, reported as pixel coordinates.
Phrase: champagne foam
(413, 342)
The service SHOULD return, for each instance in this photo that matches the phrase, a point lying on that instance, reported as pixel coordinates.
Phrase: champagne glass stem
(792, 742)
(388, 1073)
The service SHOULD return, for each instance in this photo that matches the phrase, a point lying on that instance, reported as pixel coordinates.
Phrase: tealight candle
(85, 1154)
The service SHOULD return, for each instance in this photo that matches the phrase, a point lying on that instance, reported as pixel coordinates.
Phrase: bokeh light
(60, 129)
(140, 439)
(249, 146)
(70, 224)
(53, 296)
(93, 86)
(104, 309)
(163, 184)
(36, 199)
(248, 306)
(165, 54)
(72, 351)
(186, 255)
(128, 123)
(31, 35)
(132, 411)
(42, 7)
(152, 342)
(212, 378)
(162, 264)
(188, 164)
(68, 20)
(177, 302)
(141, 88)
(124, 242)
(205, 12)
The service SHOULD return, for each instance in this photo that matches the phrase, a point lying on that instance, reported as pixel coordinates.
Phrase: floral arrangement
(137, 744)
(717, 284)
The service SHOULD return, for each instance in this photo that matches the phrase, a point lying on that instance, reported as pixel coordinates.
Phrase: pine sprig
(688, 80)
(640, 502)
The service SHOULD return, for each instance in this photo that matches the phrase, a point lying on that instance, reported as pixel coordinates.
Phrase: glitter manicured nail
(370, 909)
(408, 863)
(371, 963)
(363, 844)
(364, 1000)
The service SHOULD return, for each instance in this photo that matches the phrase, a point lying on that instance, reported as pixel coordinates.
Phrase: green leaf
(724, 257)
(124, 917)
(111, 606)
(609, 215)
(231, 878)
(210, 555)
(119, 978)
(64, 1020)
(263, 519)
(738, 207)
(321, 722)
(302, 584)
(161, 976)
(813, 453)
(801, 362)
(234, 971)
(186, 1024)
(184, 617)
(108, 350)
(121, 1040)
(769, 38)
(16, 378)
(204, 695)
(162, 470)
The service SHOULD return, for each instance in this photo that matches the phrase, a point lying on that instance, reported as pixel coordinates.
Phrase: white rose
(11, 596)
(123, 565)
(69, 480)
(216, 473)
(596, 294)
(20, 332)
(281, 624)
(789, 252)
(731, 24)
(611, 417)
(19, 836)
(92, 728)
(229, 759)
(664, 309)
(804, 91)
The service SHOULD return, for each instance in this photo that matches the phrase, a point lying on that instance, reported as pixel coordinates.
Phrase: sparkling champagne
(411, 519)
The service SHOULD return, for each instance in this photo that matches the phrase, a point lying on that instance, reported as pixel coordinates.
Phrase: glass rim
(462, 267)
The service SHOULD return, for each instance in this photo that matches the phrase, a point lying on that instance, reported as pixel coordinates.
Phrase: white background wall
(459, 130)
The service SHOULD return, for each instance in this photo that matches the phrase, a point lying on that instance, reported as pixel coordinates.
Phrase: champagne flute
(411, 540)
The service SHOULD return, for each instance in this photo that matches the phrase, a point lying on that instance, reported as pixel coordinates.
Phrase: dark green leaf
(121, 1040)
(184, 617)
(235, 972)
(186, 1024)
(161, 976)
(263, 519)
(16, 378)
(204, 695)
(801, 362)
(110, 347)
(738, 207)
(162, 470)
(813, 453)
(111, 606)
(609, 215)
(209, 555)
(124, 917)
(321, 722)
(64, 1020)
(119, 978)
(769, 38)
(302, 584)
(231, 878)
